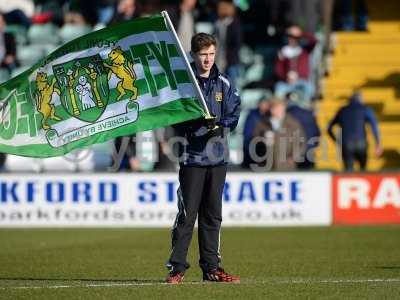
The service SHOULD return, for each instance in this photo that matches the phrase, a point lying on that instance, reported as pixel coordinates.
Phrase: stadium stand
(367, 61)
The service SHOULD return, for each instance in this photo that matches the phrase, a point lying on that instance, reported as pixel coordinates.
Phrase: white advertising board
(149, 199)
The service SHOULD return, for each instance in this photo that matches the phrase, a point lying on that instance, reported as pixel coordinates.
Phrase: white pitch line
(246, 282)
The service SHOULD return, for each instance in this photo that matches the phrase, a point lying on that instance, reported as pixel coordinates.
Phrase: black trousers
(354, 151)
(199, 194)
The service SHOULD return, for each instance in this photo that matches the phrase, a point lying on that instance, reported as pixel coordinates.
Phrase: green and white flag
(116, 81)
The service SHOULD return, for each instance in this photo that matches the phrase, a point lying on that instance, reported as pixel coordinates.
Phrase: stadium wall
(149, 199)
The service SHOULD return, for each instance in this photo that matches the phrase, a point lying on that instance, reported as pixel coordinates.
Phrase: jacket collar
(214, 72)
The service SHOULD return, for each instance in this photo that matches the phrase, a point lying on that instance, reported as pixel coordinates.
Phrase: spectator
(183, 19)
(126, 10)
(3, 158)
(229, 35)
(166, 151)
(352, 119)
(345, 18)
(306, 117)
(254, 116)
(283, 139)
(8, 47)
(18, 12)
(125, 154)
(293, 64)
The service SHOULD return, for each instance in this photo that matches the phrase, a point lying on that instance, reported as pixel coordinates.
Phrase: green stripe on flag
(164, 115)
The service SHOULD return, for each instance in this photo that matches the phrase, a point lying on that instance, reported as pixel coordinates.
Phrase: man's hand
(9, 59)
(216, 131)
(294, 31)
(210, 122)
(378, 150)
(134, 164)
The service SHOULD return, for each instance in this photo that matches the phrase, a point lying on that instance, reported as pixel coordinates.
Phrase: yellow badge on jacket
(218, 96)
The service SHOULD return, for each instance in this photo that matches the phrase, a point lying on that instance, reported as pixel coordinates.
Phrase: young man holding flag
(203, 160)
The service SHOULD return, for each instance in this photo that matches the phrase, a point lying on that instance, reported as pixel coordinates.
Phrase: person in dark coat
(254, 116)
(8, 47)
(203, 168)
(228, 32)
(283, 139)
(306, 117)
(183, 18)
(352, 120)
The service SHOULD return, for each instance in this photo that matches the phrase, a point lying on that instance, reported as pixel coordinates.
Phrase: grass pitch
(283, 263)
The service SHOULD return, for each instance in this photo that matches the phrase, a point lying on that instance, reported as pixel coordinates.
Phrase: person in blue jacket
(301, 111)
(203, 164)
(255, 115)
(352, 119)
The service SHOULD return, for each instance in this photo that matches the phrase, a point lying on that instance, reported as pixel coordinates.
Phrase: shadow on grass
(388, 268)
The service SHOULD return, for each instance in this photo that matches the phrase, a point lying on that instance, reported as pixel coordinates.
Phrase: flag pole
(191, 73)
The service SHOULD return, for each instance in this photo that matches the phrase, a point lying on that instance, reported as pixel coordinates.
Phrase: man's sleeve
(231, 107)
(371, 119)
(332, 123)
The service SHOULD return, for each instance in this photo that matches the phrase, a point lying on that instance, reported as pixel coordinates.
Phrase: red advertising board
(366, 199)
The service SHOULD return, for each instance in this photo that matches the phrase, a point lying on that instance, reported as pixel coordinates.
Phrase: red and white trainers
(175, 277)
(219, 275)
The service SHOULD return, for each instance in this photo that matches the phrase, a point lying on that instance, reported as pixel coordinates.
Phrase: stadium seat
(22, 164)
(242, 119)
(235, 149)
(4, 75)
(246, 55)
(250, 97)
(19, 70)
(43, 34)
(72, 31)
(30, 54)
(206, 27)
(256, 71)
(146, 149)
(102, 155)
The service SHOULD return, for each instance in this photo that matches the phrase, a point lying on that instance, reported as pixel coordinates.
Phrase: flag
(113, 82)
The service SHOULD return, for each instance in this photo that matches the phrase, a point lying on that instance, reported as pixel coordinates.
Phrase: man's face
(204, 59)
(278, 110)
(2, 23)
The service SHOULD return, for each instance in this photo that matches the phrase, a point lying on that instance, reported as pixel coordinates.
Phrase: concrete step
(372, 94)
(392, 109)
(367, 50)
(387, 26)
(367, 38)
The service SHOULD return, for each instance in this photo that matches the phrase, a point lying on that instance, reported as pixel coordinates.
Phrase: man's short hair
(202, 40)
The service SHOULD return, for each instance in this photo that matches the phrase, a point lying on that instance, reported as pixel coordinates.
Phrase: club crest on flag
(84, 87)
(83, 90)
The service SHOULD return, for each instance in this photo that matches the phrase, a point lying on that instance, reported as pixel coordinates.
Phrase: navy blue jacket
(352, 119)
(203, 148)
(307, 120)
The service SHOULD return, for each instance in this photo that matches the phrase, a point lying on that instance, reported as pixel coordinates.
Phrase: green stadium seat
(72, 31)
(47, 49)
(250, 97)
(246, 55)
(19, 70)
(30, 54)
(4, 75)
(43, 34)
(243, 115)
(205, 27)
(256, 71)
(235, 148)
